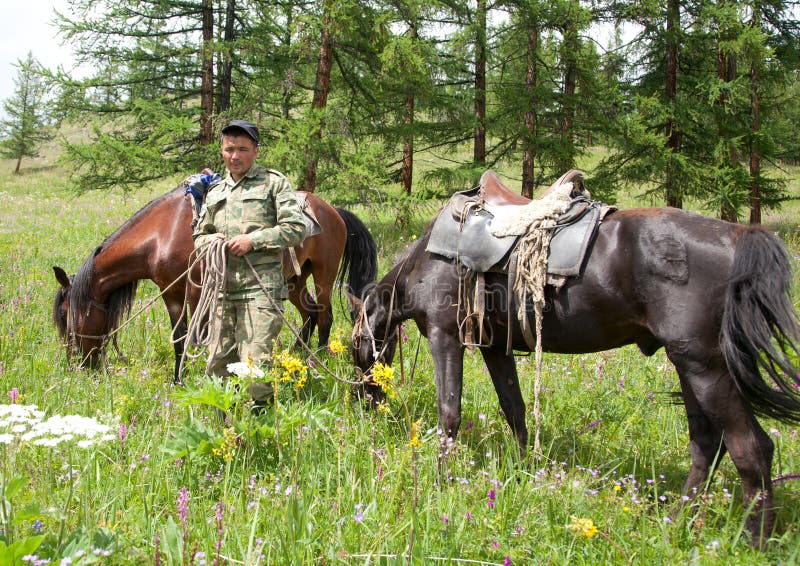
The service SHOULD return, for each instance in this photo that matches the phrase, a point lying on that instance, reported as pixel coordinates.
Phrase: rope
(212, 289)
(311, 353)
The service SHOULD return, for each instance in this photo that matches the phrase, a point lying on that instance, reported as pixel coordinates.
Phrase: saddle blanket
(463, 231)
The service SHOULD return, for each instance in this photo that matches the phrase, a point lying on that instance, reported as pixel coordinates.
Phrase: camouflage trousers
(245, 328)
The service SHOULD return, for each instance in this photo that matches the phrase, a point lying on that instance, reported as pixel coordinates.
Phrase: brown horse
(156, 244)
(715, 295)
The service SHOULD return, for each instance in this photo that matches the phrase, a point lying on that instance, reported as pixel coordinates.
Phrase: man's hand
(239, 245)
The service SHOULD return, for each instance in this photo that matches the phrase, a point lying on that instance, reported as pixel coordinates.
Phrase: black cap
(247, 127)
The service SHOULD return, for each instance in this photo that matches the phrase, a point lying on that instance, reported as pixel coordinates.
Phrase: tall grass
(320, 479)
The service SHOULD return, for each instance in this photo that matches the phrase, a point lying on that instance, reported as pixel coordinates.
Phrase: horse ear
(61, 277)
(353, 302)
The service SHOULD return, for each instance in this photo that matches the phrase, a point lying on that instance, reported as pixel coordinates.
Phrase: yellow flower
(415, 442)
(582, 527)
(336, 347)
(289, 367)
(382, 376)
(383, 407)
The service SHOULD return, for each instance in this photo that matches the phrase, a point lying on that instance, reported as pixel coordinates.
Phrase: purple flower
(183, 506)
(14, 395)
(490, 501)
(495, 544)
(507, 561)
(123, 434)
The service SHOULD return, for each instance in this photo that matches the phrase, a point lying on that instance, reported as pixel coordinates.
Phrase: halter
(363, 321)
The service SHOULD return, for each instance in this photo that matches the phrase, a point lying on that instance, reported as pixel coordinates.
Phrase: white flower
(245, 369)
(28, 423)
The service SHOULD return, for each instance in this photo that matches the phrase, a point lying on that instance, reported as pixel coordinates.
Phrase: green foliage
(27, 123)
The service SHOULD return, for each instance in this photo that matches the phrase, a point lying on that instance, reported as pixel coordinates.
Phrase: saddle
(482, 229)
(463, 230)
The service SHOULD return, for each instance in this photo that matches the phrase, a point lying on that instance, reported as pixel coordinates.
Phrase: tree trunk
(726, 70)
(408, 144)
(226, 72)
(479, 149)
(207, 81)
(19, 162)
(755, 155)
(322, 86)
(674, 197)
(570, 62)
(529, 149)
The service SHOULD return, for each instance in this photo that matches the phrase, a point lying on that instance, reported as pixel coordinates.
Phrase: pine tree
(27, 124)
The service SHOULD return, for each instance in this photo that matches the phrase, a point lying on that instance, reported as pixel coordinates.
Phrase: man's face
(239, 152)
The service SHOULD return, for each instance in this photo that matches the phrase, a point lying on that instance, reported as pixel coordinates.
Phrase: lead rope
(312, 355)
(212, 290)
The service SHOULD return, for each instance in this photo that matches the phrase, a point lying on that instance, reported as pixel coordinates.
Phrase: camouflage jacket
(263, 205)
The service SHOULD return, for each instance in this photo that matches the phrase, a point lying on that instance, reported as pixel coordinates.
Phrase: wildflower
(245, 369)
(383, 407)
(415, 429)
(27, 421)
(359, 514)
(123, 434)
(14, 395)
(490, 497)
(183, 506)
(37, 526)
(507, 561)
(335, 347)
(382, 376)
(582, 527)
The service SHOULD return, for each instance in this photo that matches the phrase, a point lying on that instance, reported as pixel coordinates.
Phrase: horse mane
(120, 300)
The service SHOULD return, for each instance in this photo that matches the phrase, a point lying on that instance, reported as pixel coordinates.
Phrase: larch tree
(27, 122)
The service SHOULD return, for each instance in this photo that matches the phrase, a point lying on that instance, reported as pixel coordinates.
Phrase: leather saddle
(463, 228)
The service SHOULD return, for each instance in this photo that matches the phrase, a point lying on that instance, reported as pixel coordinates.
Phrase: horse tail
(760, 328)
(360, 259)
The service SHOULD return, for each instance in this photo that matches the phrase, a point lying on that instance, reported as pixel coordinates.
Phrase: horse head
(372, 341)
(82, 322)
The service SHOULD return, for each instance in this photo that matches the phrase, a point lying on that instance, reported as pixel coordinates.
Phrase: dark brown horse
(156, 244)
(715, 295)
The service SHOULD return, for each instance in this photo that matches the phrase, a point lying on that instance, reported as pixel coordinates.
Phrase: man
(255, 211)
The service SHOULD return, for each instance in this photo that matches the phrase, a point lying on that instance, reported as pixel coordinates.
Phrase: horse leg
(750, 447)
(448, 361)
(706, 446)
(325, 310)
(306, 306)
(177, 318)
(503, 371)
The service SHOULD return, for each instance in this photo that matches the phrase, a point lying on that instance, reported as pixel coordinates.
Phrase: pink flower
(490, 502)
(123, 434)
(183, 506)
(14, 394)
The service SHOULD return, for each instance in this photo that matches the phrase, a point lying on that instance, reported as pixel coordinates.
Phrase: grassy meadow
(320, 479)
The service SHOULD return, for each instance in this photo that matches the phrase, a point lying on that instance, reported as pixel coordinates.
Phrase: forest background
(693, 100)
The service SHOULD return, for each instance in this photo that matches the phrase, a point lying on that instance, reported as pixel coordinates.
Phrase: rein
(311, 353)
(363, 321)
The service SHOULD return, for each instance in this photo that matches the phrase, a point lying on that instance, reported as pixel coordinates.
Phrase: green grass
(322, 480)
